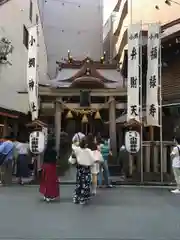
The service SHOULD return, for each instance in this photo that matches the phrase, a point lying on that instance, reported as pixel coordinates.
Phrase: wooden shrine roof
(87, 73)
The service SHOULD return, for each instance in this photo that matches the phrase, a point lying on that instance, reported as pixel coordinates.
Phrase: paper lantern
(84, 119)
(97, 115)
(37, 142)
(132, 141)
(69, 115)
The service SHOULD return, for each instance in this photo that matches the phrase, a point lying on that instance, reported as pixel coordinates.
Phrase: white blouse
(22, 148)
(84, 156)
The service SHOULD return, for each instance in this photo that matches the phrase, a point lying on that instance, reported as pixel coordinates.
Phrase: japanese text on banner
(133, 72)
(32, 77)
(153, 51)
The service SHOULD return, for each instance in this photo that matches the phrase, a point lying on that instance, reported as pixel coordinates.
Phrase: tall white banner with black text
(153, 74)
(133, 107)
(32, 76)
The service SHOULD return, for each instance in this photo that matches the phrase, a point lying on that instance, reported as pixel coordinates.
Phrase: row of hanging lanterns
(97, 116)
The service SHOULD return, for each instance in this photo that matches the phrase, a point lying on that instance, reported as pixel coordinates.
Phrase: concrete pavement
(124, 213)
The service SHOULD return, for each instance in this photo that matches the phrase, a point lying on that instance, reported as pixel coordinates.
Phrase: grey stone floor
(124, 213)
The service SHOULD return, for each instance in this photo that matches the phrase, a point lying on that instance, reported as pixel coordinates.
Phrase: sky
(145, 10)
(108, 7)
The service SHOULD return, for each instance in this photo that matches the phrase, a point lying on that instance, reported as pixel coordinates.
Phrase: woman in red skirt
(49, 185)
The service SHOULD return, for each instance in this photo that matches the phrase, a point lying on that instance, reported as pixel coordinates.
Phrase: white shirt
(84, 156)
(175, 157)
(22, 148)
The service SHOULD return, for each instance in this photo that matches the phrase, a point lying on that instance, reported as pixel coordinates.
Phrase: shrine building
(83, 96)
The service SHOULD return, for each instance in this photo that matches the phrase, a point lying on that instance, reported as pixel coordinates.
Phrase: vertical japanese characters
(153, 74)
(133, 109)
(32, 76)
(132, 141)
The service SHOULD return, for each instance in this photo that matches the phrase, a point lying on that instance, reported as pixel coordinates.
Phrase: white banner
(32, 76)
(153, 52)
(133, 108)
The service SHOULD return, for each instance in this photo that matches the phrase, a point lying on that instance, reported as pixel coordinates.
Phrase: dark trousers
(6, 173)
(103, 171)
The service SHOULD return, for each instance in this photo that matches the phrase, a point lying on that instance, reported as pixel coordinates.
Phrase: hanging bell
(69, 115)
(97, 115)
(84, 119)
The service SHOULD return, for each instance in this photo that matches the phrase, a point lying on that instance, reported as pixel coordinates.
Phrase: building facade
(62, 105)
(16, 16)
(113, 29)
(71, 25)
(130, 11)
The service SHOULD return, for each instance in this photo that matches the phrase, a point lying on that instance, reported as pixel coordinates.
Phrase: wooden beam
(50, 105)
(63, 92)
(46, 91)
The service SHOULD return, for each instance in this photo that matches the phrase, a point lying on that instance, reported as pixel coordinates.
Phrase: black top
(50, 156)
(92, 146)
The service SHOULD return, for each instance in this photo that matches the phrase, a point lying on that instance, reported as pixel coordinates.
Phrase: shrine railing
(149, 167)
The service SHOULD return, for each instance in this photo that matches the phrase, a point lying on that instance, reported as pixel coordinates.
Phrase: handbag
(72, 159)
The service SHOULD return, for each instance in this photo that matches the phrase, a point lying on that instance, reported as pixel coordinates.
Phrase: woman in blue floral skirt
(84, 160)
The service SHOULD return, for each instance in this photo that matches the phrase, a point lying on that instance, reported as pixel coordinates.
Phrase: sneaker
(75, 201)
(48, 200)
(109, 186)
(82, 202)
(176, 191)
(93, 193)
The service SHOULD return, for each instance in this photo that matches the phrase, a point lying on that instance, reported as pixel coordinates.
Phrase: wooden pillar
(58, 118)
(130, 165)
(15, 129)
(147, 157)
(155, 158)
(151, 133)
(5, 128)
(165, 158)
(112, 126)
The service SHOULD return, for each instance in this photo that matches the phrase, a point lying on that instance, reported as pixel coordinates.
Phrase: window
(31, 10)
(25, 37)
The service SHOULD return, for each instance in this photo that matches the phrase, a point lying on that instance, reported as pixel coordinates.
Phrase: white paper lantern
(132, 141)
(37, 142)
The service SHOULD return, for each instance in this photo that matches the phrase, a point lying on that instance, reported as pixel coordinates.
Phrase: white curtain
(153, 74)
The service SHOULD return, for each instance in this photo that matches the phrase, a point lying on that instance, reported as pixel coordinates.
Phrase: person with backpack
(7, 149)
(175, 156)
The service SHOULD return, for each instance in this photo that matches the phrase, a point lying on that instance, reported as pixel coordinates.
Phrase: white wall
(74, 25)
(13, 15)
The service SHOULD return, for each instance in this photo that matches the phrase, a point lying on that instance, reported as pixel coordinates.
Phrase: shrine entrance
(61, 101)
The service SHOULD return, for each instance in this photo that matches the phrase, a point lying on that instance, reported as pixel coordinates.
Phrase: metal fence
(151, 168)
